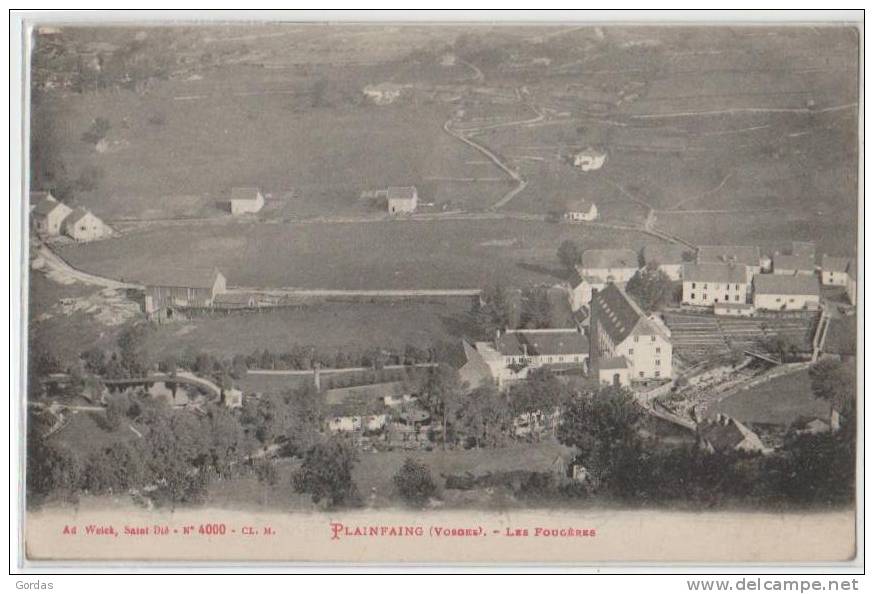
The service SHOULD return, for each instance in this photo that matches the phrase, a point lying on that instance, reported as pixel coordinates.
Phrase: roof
(793, 262)
(401, 192)
(664, 253)
(610, 258)
(786, 284)
(613, 363)
(233, 298)
(619, 315)
(564, 341)
(245, 193)
(714, 273)
(748, 255)
(195, 278)
(835, 263)
(726, 433)
(45, 205)
(75, 216)
(367, 391)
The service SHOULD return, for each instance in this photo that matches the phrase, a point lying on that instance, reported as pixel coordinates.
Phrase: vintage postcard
(393, 292)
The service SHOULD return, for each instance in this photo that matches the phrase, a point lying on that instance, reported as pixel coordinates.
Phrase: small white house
(47, 213)
(581, 210)
(614, 371)
(83, 225)
(669, 258)
(737, 310)
(835, 271)
(589, 160)
(383, 93)
(779, 292)
(402, 199)
(246, 201)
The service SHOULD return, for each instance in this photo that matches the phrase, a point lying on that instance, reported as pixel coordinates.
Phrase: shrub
(414, 482)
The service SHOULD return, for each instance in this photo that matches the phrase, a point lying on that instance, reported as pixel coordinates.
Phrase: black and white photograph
(428, 291)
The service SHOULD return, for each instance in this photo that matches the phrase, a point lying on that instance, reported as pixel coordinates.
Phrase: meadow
(780, 401)
(450, 254)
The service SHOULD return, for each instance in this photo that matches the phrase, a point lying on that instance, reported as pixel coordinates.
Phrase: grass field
(329, 327)
(779, 401)
(390, 255)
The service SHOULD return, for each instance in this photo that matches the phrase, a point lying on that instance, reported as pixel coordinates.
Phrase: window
(658, 350)
(693, 286)
(737, 287)
(658, 373)
(692, 296)
(705, 296)
(636, 338)
(658, 363)
(641, 374)
(791, 300)
(705, 286)
(737, 297)
(630, 352)
(726, 298)
(652, 338)
(779, 299)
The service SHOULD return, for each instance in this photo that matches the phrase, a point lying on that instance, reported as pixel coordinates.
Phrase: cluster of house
(623, 346)
(733, 280)
(52, 218)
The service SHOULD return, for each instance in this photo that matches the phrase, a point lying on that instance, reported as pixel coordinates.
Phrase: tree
(835, 382)
(133, 355)
(650, 287)
(326, 474)
(484, 416)
(116, 411)
(603, 427)
(569, 254)
(537, 309)
(414, 483)
(441, 394)
(497, 309)
(543, 392)
(51, 469)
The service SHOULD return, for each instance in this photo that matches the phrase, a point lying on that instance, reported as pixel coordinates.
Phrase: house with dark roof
(248, 200)
(83, 225)
(780, 292)
(711, 283)
(177, 288)
(47, 213)
(669, 258)
(402, 200)
(747, 256)
(619, 328)
(514, 353)
(609, 265)
(726, 434)
(834, 270)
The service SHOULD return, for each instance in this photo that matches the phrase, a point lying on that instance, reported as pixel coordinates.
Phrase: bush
(326, 474)
(414, 483)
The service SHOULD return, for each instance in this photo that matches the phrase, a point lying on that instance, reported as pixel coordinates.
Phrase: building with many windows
(618, 330)
(780, 292)
(708, 284)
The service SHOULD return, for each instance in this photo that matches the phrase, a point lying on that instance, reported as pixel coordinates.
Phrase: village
(711, 350)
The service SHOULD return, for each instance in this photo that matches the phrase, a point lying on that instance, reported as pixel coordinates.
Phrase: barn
(180, 288)
(83, 225)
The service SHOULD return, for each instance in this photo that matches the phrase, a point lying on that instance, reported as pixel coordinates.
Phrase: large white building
(514, 353)
(707, 284)
(609, 265)
(779, 292)
(620, 329)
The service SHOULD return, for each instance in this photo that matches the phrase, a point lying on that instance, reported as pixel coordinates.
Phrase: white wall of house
(247, 206)
(589, 215)
(87, 228)
(708, 293)
(793, 271)
(402, 205)
(834, 278)
(785, 302)
(650, 355)
(608, 377)
(673, 271)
